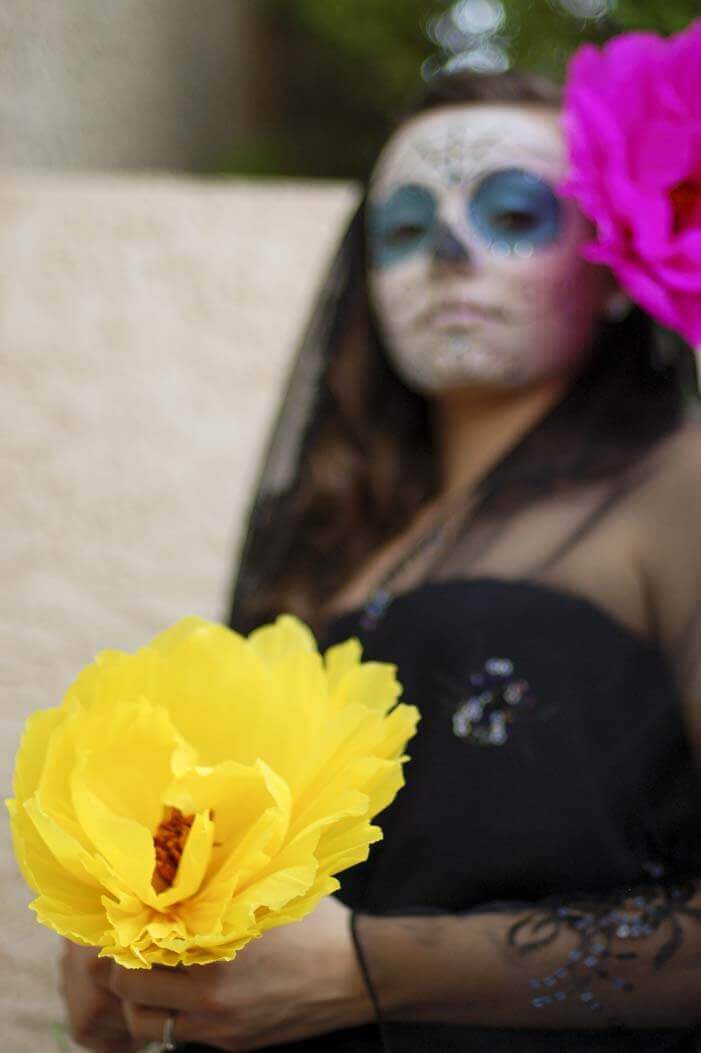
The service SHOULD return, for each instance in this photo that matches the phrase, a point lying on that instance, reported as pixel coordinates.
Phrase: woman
(487, 470)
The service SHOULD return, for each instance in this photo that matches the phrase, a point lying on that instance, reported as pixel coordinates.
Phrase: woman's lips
(456, 315)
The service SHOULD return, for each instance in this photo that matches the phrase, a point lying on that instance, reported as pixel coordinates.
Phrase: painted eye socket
(516, 207)
(405, 233)
(401, 225)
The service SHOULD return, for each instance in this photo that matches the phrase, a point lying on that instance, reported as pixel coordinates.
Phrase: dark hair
(367, 461)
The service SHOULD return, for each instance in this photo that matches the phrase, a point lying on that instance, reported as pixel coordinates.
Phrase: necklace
(383, 593)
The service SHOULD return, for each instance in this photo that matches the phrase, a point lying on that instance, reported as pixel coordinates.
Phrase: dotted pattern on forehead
(450, 159)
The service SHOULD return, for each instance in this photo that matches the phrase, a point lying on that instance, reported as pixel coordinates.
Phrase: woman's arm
(555, 964)
(632, 960)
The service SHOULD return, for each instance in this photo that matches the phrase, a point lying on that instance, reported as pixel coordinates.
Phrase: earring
(618, 307)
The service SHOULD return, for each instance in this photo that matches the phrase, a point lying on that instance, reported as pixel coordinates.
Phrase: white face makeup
(475, 273)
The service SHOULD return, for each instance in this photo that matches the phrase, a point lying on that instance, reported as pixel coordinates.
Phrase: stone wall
(146, 328)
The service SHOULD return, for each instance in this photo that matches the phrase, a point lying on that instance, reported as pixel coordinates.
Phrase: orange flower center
(169, 841)
(685, 199)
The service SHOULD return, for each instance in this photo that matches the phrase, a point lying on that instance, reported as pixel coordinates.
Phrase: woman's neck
(475, 427)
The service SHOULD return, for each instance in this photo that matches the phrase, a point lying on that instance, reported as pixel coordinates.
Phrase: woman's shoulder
(665, 520)
(676, 459)
(666, 507)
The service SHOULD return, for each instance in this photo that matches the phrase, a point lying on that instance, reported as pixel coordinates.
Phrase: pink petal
(644, 290)
(632, 64)
(600, 128)
(595, 252)
(680, 266)
(663, 155)
(672, 100)
(652, 224)
(682, 66)
(632, 123)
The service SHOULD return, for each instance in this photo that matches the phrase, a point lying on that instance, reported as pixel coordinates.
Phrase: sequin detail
(497, 699)
(375, 609)
(610, 933)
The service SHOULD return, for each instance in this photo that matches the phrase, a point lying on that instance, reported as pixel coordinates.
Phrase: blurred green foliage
(660, 17)
(349, 66)
(384, 40)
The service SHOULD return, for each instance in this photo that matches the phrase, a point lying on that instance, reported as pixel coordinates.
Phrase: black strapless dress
(571, 776)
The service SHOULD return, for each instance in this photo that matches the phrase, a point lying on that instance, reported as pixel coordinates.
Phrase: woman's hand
(96, 1018)
(296, 981)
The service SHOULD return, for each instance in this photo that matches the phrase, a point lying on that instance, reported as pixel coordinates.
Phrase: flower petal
(126, 844)
(289, 874)
(663, 154)
(286, 636)
(236, 794)
(31, 756)
(341, 659)
(372, 684)
(193, 864)
(632, 120)
(66, 858)
(217, 673)
(282, 758)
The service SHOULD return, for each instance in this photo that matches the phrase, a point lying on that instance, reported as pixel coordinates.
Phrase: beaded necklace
(384, 592)
(382, 595)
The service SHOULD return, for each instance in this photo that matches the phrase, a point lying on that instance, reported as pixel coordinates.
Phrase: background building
(124, 85)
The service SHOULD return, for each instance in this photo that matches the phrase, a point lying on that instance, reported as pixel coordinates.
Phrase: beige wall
(146, 326)
(123, 84)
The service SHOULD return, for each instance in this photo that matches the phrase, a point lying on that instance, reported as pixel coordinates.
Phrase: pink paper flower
(632, 118)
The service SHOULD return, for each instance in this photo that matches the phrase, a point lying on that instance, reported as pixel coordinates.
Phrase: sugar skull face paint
(475, 272)
(510, 208)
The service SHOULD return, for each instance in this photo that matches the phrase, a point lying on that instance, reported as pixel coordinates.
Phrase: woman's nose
(448, 248)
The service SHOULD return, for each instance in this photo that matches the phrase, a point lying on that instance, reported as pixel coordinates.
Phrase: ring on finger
(168, 1041)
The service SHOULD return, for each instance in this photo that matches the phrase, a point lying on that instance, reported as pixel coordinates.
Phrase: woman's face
(475, 273)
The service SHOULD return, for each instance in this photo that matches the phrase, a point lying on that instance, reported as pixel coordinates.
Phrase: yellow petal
(347, 845)
(31, 755)
(202, 913)
(218, 694)
(398, 728)
(115, 677)
(288, 875)
(53, 793)
(82, 923)
(127, 916)
(372, 684)
(288, 635)
(245, 856)
(182, 633)
(145, 741)
(26, 842)
(352, 732)
(341, 659)
(126, 844)
(297, 909)
(282, 758)
(237, 794)
(193, 864)
(294, 731)
(66, 857)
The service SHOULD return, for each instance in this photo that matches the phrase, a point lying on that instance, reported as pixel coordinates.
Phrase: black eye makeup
(511, 209)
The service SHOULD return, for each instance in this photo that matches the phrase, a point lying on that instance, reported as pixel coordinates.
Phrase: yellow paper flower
(185, 799)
